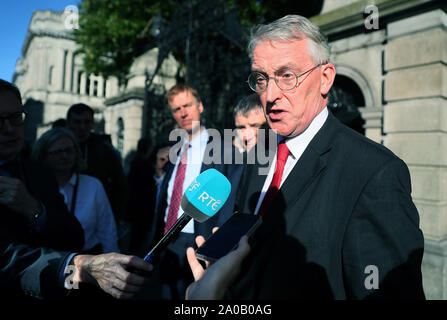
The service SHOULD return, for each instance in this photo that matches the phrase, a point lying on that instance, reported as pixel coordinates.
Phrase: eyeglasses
(59, 152)
(15, 119)
(286, 81)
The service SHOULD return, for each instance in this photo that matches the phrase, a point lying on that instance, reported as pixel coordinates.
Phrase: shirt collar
(297, 144)
(200, 140)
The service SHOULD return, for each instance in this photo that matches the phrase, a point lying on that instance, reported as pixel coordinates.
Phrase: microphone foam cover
(206, 195)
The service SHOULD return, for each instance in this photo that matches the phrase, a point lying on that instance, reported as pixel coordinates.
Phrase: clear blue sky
(15, 16)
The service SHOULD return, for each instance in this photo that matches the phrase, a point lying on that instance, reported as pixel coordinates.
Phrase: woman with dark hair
(84, 195)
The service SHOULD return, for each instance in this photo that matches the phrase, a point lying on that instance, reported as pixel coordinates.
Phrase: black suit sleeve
(31, 271)
(383, 239)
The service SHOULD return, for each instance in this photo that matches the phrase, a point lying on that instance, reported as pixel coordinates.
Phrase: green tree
(207, 37)
(113, 33)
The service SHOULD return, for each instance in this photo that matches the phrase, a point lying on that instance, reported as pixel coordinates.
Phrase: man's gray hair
(290, 28)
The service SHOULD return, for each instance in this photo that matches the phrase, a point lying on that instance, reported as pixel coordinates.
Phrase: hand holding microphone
(202, 199)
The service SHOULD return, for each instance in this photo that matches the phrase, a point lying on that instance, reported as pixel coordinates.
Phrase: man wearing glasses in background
(30, 212)
(338, 218)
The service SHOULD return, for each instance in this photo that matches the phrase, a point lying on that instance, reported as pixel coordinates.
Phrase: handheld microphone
(202, 199)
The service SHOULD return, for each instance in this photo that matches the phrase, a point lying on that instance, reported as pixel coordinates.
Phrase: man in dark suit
(195, 154)
(338, 218)
(32, 210)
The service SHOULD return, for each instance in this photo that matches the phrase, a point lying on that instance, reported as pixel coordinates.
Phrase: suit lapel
(311, 163)
(305, 171)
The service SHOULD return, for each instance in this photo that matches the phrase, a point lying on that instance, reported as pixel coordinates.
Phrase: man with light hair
(338, 217)
(196, 145)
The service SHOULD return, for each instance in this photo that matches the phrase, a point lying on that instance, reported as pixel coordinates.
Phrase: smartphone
(227, 237)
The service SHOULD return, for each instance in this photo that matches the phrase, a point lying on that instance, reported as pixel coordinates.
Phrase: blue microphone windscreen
(206, 195)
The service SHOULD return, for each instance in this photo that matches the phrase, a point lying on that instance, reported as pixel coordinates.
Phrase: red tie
(281, 158)
(177, 192)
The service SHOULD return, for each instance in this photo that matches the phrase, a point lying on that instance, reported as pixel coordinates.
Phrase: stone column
(101, 86)
(92, 80)
(415, 126)
(69, 71)
(75, 79)
(59, 68)
(40, 80)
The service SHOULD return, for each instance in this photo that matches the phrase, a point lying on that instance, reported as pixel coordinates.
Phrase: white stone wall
(415, 123)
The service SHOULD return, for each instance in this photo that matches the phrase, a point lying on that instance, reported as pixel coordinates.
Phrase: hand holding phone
(212, 283)
(227, 237)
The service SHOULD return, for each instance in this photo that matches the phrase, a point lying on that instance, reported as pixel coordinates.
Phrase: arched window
(345, 98)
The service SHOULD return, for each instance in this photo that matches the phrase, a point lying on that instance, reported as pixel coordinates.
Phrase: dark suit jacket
(345, 206)
(104, 163)
(19, 260)
(142, 194)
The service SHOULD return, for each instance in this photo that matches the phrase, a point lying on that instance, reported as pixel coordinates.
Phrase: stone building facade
(51, 77)
(50, 74)
(126, 113)
(390, 57)
(400, 68)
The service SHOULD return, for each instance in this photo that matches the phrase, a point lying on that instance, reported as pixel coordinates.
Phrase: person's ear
(327, 78)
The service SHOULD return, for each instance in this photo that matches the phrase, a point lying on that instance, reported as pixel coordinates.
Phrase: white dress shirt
(196, 152)
(93, 211)
(296, 146)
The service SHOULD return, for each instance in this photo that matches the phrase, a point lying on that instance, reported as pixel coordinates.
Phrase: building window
(120, 135)
(50, 75)
(94, 84)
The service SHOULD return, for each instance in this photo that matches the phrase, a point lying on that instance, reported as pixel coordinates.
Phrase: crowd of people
(332, 201)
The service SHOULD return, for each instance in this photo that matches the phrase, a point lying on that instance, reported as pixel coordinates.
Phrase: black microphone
(201, 200)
